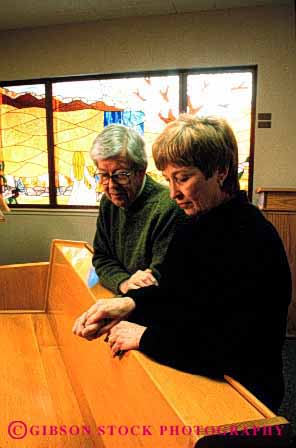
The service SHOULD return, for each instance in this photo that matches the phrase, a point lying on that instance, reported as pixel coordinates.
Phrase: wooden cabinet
(279, 207)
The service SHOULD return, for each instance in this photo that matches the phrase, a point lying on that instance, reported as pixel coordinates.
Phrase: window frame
(182, 73)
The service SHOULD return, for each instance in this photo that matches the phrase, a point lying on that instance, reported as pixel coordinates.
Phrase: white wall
(25, 236)
(264, 36)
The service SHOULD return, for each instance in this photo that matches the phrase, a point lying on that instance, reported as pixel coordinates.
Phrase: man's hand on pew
(139, 279)
(102, 316)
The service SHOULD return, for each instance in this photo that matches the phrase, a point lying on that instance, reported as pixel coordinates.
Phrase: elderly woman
(221, 305)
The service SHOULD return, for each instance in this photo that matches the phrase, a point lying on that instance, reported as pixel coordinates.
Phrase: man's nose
(112, 182)
(112, 186)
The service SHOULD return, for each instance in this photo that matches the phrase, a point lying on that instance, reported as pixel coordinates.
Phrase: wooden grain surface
(279, 207)
(23, 286)
(285, 224)
(277, 199)
(35, 388)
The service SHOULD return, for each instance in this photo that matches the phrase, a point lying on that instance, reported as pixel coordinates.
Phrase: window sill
(51, 212)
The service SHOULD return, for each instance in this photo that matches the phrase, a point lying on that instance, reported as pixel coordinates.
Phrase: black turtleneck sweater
(221, 306)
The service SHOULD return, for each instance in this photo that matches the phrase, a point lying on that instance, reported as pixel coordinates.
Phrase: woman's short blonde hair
(207, 143)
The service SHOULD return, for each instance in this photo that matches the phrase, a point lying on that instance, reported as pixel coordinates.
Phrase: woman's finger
(107, 328)
(90, 330)
(116, 347)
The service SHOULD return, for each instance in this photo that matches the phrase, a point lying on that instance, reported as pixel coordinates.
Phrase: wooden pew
(56, 382)
(279, 207)
(23, 287)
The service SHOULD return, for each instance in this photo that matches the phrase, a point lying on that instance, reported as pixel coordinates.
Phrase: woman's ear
(222, 175)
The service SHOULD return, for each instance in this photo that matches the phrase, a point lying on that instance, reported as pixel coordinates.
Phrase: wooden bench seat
(35, 387)
(56, 382)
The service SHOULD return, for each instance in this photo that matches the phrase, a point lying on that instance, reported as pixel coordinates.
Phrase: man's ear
(142, 172)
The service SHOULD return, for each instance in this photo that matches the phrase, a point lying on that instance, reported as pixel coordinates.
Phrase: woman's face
(192, 191)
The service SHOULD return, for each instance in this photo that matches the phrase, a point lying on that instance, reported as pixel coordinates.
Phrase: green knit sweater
(136, 237)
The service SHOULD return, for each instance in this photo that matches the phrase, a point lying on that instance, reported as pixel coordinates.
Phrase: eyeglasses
(121, 178)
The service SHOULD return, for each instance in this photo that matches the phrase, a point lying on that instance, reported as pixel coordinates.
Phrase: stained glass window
(44, 144)
(227, 95)
(23, 144)
(143, 103)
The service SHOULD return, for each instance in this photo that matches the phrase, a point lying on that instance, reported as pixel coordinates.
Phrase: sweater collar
(239, 198)
(142, 188)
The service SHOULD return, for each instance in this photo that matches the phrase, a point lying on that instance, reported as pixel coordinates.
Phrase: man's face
(120, 195)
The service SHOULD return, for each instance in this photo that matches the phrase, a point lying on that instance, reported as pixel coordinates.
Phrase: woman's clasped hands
(107, 317)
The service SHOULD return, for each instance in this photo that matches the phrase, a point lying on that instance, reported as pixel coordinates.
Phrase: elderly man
(137, 219)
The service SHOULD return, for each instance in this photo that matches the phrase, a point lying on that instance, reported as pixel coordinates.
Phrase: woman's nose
(174, 190)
